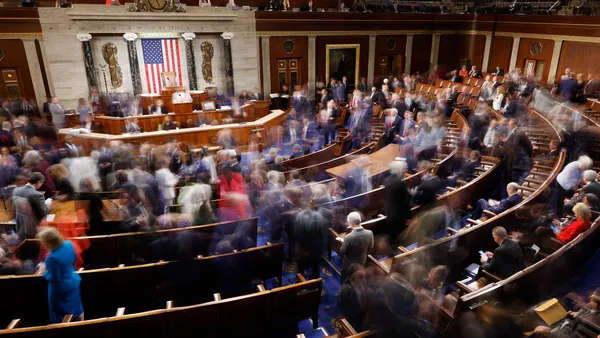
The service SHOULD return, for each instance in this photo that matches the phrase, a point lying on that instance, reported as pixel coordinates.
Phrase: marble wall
(64, 58)
(97, 43)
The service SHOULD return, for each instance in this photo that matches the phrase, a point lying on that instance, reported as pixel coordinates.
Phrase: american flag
(160, 55)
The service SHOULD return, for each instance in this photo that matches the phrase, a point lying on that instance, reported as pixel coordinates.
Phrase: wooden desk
(193, 136)
(147, 100)
(380, 163)
(182, 108)
(250, 112)
(68, 209)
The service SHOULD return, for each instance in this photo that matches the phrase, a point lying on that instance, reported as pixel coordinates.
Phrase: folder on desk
(551, 311)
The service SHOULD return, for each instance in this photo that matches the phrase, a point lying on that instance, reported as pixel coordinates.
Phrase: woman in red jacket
(579, 225)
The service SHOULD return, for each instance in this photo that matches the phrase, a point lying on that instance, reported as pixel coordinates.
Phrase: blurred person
(168, 124)
(296, 151)
(30, 206)
(355, 245)
(132, 126)
(392, 126)
(72, 148)
(567, 180)
(311, 239)
(158, 108)
(425, 194)
(60, 175)
(226, 139)
(58, 113)
(436, 284)
(33, 162)
(6, 136)
(466, 169)
(567, 233)
(498, 207)
(327, 120)
(83, 110)
(360, 124)
(397, 200)
(166, 182)
(590, 186)
(195, 197)
(568, 88)
(63, 281)
(353, 294)
(463, 72)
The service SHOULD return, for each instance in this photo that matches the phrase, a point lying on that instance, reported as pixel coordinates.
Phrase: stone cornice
(135, 16)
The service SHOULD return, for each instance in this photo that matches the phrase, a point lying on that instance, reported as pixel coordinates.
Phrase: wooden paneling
(500, 53)
(382, 49)
(300, 52)
(322, 41)
(19, 20)
(580, 57)
(455, 47)
(14, 58)
(544, 56)
(421, 53)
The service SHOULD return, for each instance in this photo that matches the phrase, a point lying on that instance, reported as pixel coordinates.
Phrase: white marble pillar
(485, 64)
(266, 65)
(312, 54)
(36, 72)
(408, 52)
(435, 50)
(514, 53)
(372, 61)
(554, 62)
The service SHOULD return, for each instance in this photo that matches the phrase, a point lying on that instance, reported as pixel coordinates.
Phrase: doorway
(288, 73)
(10, 84)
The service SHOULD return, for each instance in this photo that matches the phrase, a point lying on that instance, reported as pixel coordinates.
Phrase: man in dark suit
(507, 259)
(328, 122)
(6, 137)
(398, 103)
(474, 72)
(406, 124)
(362, 86)
(360, 124)
(158, 108)
(392, 126)
(496, 207)
(397, 201)
(28, 201)
(426, 193)
(499, 71)
(591, 186)
(568, 87)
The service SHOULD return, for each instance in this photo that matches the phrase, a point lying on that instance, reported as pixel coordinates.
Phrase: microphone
(3, 201)
(113, 202)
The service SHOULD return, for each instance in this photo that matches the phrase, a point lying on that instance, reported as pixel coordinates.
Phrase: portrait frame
(333, 55)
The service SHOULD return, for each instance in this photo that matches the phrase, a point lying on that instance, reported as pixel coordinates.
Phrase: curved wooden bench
(310, 159)
(138, 288)
(119, 248)
(261, 313)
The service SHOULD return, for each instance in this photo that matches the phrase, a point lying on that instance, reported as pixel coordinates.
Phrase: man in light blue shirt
(568, 180)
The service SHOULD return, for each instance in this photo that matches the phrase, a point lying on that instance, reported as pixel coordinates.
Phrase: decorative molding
(21, 36)
(188, 36)
(574, 38)
(227, 35)
(165, 35)
(149, 16)
(156, 6)
(84, 37)
(130, 36)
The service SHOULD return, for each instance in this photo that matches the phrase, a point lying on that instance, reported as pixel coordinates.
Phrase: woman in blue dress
(63, 281)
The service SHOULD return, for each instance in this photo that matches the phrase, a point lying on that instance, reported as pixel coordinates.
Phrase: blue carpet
(328, 309)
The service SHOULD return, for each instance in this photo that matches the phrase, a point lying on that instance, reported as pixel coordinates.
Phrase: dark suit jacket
(363, 87)
(397, 201)
(500, 72)
(411, 124)
(163, 109)
(508, 259)
(391, 132)
(6, 138)
(28, 201)
(506, 204)
(427, 190)
(568, 88)
(400, 107)
(591, 188)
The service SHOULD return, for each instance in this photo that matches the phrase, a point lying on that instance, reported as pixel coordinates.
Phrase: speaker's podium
(175, 97)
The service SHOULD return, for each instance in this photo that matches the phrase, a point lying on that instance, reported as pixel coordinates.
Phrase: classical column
(266, 65)
(435, 50)
(514, 53)
(408, 52)
(228, 62)
(190, 56)
(554, 62)
(485, 64)
(88, 60)
(134, 65)
(371, 63)
(312, 42)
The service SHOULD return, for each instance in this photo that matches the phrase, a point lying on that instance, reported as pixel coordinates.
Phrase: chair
(169, 79)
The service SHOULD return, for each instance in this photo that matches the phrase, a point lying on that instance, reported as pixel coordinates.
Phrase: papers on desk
(224, 108)
(50, 217)
(274, 96)
(49, 202)
(76, 131)
(473, 269)
(285, 96)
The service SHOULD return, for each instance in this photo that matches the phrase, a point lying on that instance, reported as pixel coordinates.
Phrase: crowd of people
(172, 185)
